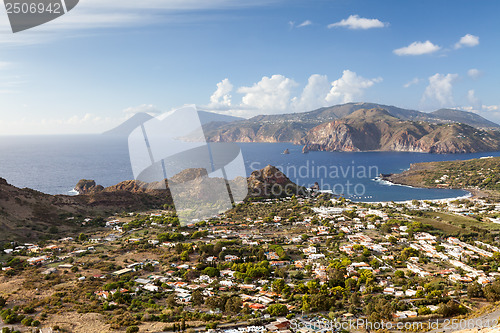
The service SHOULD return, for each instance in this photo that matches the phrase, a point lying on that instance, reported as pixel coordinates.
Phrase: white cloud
(440, 89)
(412, 82)
(270, 94)
(314, 94)
(144, 108)
(275, 94)
(349, 87)
(355, 22)
(473, 100)
(490, 112)
(98, 14)
(491, 107)
(417, 48)
(474, 73)
(467, 41)
(304, 24)
(221, 97)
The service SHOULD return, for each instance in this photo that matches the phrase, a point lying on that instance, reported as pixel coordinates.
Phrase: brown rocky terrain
(376, 129)
(26, 214)
(270, 181)
(367, 127)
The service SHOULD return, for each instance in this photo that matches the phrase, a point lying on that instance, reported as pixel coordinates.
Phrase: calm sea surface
(54, 164)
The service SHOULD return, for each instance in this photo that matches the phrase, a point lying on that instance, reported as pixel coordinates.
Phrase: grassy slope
(481, 174)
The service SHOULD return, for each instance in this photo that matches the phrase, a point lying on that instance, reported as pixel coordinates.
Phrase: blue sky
(94, 67)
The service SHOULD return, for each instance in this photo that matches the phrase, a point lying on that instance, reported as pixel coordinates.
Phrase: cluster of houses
(358, 232)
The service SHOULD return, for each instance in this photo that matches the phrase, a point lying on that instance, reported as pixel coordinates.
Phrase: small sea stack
(286, 152)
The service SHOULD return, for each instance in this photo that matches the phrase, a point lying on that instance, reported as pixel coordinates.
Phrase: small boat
(286, 152)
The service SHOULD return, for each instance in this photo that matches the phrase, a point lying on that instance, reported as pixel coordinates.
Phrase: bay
(54, 164)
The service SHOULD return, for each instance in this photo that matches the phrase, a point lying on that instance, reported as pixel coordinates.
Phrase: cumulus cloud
(349, 87)
(473, 100)
(144, 108)
(474, 73)
(270, 93)
(475, 105)
(417, 48)
(467, 41)
(440, 89)
(314, 94)
(278, 94)
(221, 97)
(355, 22)
(412, 82)
(490, 112)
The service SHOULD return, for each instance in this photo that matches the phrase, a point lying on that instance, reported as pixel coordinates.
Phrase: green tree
(211, 271)
(408, 252)
(185, 256)
(233, 305)
(422, 311)
(277, 309)
(171, 301)
(83, 238)
(474, 290)
(197, 297)
(132, 329)
(278, 285)
(399, 274)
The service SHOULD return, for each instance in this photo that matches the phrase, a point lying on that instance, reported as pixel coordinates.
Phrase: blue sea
(54, 164)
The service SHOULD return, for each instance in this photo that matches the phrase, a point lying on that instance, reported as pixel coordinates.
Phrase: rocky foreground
(26, 214)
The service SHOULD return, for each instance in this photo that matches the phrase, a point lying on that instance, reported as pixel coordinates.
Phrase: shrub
(27, 321)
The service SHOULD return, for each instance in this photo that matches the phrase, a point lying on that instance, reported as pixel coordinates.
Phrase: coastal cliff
(367, 127)
(377, 130)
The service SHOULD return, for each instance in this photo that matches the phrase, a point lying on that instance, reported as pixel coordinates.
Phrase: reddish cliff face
(86, 186)
(270, 181)
(333, 136)
(367, 127)
(369, 130)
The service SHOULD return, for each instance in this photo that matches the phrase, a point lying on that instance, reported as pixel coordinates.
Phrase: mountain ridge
(378, 130)
(296, 127)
